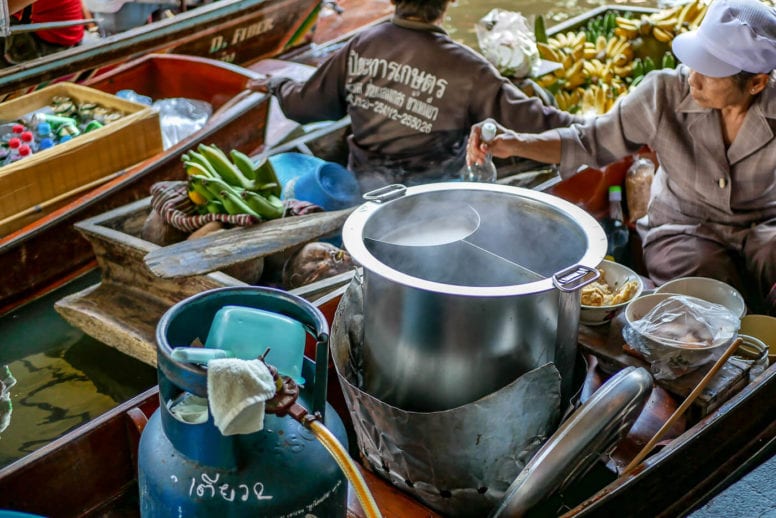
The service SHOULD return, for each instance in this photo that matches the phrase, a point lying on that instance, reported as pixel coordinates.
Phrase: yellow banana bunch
(695, 21)
(575, 75)
(627, 28)
(548, 52)
(596, 99)
(598, 66)
(617, 46)
(547, 81)
(667, 23)
(567, 101)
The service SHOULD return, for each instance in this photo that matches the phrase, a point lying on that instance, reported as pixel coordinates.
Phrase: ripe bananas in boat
(611, 53)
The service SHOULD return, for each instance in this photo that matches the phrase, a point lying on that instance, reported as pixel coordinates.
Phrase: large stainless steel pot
(495, 296)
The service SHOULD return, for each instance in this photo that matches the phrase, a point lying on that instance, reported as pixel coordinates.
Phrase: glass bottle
(617, 233)
(485, 171)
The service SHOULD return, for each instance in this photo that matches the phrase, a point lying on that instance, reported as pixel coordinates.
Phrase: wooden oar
(683, 407)
(222, 249)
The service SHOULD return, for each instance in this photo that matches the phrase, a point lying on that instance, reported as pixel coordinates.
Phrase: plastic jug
(247, 332)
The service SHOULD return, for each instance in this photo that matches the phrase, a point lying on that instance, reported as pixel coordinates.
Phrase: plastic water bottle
(24, 151)
(485, 171)
(617, 232)
(14, 143)
(28, 139)
(45, 143)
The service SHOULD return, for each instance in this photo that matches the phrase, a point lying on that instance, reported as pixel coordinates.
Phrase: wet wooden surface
(354, 15)
(222, 249)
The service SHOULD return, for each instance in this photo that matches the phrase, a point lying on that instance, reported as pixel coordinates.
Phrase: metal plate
(593, 429)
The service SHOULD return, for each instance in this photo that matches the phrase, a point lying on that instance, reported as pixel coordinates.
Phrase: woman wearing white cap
(712, 123)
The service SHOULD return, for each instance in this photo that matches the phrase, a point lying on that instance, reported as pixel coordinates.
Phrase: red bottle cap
(18, 128)
(26, 136)
(14, 143)
(24, 150)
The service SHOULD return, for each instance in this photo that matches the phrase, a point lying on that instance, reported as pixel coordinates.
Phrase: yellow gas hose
(330, 442)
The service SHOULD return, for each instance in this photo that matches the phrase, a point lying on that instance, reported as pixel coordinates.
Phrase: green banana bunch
(260, 172)
(232, 184)
(224, 167)
(228, 196)
(269, 205)
(668, 61)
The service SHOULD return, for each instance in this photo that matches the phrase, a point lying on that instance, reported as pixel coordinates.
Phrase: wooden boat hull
(48, 248)
(92, 471)
(236, 31)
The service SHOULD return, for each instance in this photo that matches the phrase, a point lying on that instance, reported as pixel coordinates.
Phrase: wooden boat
(92, 471)
(122, 310)
(672, 481)
(46, 251)
(723, 436)
(236, 31)
(46, 248)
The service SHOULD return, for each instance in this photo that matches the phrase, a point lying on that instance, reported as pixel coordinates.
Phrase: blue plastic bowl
(308, 178)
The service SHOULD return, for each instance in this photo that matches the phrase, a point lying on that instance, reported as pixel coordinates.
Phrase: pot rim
(353, 240)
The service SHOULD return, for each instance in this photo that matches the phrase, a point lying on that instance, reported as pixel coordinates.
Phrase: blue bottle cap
(44, 128)
(64, 138)
(45, 143)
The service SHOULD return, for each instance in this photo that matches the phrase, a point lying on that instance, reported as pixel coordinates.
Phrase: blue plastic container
(247, 333)
(308, 178)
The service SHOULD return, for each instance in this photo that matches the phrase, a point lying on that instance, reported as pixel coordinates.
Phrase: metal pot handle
(574, 278)
(569, 282)
(387, 193)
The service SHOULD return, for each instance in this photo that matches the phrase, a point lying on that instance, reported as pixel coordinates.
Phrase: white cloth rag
(237, 390)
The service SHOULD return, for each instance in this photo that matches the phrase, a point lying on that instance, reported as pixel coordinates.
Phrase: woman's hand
(501, 145)
(540, 147)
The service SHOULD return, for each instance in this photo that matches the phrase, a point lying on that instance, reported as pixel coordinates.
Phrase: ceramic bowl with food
(677, 334)
(607, 296)
(709, 289)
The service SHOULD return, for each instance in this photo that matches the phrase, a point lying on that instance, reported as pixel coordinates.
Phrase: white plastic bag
(179, 118)
(681, 334)
(506, 40)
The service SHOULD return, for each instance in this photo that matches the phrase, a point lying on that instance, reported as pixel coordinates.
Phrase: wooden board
(223, 249)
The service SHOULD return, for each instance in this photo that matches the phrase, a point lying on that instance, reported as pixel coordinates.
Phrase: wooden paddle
(222, 249)
(683, 407)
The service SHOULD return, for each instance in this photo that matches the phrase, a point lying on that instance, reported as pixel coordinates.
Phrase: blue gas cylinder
(191, 470)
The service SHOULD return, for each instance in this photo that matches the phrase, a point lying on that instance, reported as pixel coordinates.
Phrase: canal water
(463, 15)
(64, 378)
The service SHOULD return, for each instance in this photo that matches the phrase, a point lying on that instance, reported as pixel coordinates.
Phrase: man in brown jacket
(412, 94)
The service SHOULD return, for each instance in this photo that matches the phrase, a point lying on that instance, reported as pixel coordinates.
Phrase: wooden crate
(47, 179)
